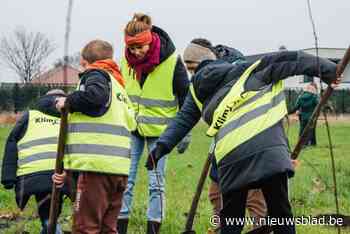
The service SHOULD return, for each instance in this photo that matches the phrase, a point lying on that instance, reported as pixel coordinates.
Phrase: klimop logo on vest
(121, 97)
(41, 120)
(229, 109)
(222, 119)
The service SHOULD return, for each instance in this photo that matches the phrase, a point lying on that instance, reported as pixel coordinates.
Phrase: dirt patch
(9, 118)
(343, 118)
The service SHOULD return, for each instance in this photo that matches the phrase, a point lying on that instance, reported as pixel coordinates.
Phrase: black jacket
(180, 80)
(94, 95)
(35, 183)
(219, 75)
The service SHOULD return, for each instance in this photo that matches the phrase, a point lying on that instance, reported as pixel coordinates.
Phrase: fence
(17, 97)
(339, 102)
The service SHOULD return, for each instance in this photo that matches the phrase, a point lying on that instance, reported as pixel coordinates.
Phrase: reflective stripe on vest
(152, 120)
(37, 157)
(94, 149)
(102, 144)
(242, 115)
(198, 103)
(42, 141)
(99, 128)
(37, 148)
(154, 103)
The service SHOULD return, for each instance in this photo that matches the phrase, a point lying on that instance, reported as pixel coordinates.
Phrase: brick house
(55, 77)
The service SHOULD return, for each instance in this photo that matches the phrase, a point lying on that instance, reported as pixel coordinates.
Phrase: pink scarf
(148, 63)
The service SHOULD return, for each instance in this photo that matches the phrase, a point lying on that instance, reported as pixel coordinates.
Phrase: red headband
(142, 38)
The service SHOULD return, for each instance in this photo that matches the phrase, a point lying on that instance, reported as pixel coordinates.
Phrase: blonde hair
(97, 50)
(139, 23)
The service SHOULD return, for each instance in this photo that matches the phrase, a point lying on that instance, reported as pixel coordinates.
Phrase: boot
(153, 227)
(45, 226)
(122, 226)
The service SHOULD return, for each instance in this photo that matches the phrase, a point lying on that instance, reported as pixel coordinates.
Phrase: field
(311, 190)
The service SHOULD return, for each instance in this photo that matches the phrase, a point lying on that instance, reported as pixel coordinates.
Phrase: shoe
(122, 226)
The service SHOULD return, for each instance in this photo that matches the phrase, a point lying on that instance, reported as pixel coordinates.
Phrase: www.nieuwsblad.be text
(271, 221)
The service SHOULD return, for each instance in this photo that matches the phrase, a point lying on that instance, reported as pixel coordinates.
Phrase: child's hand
(295, 163)
(60, 103)
(59, 179)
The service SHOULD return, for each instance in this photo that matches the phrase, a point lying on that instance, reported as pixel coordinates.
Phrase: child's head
(94, 51)
(138, 35)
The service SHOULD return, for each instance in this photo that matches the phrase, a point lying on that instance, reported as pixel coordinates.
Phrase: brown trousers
(255, 201)
(98, 202)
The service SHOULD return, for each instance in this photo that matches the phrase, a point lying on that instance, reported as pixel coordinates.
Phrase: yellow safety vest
(241, 115)
(37, 149)
(154, 104)
(102, 144)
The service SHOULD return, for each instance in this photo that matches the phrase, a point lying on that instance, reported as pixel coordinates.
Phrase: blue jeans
(156, 181)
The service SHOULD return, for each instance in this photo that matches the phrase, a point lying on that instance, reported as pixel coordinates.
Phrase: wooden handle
(55, 194)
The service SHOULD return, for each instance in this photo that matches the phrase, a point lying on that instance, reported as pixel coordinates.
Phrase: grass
(311, 190)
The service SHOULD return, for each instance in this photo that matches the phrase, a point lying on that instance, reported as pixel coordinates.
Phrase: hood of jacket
(167, 46)
(229, 54)
(47, 104)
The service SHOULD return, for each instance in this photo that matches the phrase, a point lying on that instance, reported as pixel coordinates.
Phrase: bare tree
(25, 52)
(72, 60)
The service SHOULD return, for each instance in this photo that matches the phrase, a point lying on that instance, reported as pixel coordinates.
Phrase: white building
(299, 82)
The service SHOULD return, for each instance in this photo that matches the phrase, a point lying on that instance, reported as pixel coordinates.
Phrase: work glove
(184, 143)
(154, 156)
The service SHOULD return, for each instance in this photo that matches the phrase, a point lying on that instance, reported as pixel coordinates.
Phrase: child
(244, 105)
(98, 140)
(29, 159)
(198, 50)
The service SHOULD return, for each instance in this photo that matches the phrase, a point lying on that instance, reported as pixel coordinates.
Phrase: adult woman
(157, 83)
(304, 107)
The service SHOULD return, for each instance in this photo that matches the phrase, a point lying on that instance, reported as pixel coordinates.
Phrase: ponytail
(139, 23)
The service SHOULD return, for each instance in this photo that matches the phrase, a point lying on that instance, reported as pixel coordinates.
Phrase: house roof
(55, 76)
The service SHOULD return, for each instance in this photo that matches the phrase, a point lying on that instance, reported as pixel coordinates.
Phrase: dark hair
(202, 42)
(97, 50)
(205, 43)
(139, 23)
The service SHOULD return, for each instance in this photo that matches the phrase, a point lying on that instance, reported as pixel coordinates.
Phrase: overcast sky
(252, 26)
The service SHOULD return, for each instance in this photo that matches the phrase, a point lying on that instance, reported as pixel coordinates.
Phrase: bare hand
(336, 83)
(295, 163)
(59, 179)
(60, 103)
